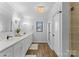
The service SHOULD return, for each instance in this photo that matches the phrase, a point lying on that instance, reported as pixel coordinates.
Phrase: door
(48, 33)
(57, 34)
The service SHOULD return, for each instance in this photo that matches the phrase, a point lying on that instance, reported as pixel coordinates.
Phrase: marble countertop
(4, 44)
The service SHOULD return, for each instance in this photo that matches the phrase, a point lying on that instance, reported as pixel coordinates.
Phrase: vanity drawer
(7, 52)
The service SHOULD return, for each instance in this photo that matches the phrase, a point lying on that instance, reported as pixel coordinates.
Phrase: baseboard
(39, 42)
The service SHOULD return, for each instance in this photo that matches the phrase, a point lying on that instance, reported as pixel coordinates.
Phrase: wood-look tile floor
(43, 51)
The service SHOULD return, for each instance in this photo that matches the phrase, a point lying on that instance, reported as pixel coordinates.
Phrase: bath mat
(34, 47)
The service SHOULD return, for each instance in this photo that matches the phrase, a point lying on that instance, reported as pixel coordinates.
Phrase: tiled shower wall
(75, 28)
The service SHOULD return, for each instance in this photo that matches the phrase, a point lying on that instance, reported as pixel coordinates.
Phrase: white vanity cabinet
(26, 44)
(21, 47)
(7, 52)
(17, 47)
(28, 41)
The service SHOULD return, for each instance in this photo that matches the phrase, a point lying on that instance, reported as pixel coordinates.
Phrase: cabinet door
(18, 48)
(26, 44)
(7, 52)
(29, 38)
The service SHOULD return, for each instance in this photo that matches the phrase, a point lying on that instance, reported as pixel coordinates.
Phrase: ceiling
(25, 8)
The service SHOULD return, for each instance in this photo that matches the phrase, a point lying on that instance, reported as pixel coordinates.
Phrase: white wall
(40, 37)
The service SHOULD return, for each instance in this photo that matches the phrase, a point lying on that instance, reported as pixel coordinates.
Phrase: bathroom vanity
(15, 46)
